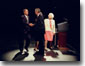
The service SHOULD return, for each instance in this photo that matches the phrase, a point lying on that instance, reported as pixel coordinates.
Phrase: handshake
(30, 24)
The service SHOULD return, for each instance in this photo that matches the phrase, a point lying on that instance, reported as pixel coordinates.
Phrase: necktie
(50, 24)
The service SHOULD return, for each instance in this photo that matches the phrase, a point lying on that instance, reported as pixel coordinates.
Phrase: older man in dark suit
(39, 31)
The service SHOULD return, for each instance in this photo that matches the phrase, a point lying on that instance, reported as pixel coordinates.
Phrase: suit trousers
(25, 37)
(41, 42)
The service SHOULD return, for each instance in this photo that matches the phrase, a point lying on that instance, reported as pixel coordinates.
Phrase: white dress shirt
(26, 17)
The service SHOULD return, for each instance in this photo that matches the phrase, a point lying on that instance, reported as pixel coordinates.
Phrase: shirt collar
(38, 14)
(26, 15)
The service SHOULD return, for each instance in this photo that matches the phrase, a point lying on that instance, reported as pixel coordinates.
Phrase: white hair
(51, 14)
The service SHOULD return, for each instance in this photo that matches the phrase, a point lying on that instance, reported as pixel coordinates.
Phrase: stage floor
(51, 55)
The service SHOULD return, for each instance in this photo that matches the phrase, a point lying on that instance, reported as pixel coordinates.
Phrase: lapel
(26, 19)
(36, 18)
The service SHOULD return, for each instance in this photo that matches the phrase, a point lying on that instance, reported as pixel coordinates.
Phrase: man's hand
(31, 24)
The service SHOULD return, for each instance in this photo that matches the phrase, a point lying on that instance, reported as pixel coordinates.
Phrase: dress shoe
(26, 50)
(46, 49)
(35, 49)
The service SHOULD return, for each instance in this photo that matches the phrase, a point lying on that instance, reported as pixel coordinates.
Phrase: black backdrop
(11, 10)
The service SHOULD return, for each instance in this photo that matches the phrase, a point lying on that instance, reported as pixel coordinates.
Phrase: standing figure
(25, 28)
(49, 30)
(39, 31)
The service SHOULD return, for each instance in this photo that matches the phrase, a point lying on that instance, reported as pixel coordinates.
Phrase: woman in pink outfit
(49, 29)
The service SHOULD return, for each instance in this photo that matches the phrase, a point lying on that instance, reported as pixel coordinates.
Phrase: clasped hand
(30, 24)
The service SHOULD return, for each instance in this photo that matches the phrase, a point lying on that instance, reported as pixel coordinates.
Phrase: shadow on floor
(19, 56)
(52, 54)
(69, 52)
(39, 58)
(48, 53)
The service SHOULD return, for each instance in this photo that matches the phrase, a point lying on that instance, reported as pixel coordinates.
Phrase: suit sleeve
(40, 22)
(24, 20)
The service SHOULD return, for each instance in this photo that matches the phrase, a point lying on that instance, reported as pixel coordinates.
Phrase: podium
(62, 35)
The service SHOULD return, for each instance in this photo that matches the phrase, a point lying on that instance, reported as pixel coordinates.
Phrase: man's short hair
(25, 9)
(38, 10)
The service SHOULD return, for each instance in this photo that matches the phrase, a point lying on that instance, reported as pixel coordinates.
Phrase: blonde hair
(38, 10)
(51, 15)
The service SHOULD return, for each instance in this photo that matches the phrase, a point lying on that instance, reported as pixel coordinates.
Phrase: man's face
(36, 12)
(26, 12)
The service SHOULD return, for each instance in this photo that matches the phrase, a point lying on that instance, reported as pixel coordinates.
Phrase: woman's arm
(54, 27)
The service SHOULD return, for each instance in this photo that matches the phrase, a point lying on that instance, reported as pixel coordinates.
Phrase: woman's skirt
(48, 35)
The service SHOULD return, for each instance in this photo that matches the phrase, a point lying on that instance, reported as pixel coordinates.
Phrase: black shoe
(51, 48)
(26, 54)
(36, 49)
(22, 52)
(55, 48)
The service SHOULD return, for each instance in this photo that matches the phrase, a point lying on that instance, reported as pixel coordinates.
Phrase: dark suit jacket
(25, 23)
(39, 28)
(39, 24)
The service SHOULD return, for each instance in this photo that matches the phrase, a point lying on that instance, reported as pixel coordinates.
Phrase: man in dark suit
(25, 30)
(39, 31)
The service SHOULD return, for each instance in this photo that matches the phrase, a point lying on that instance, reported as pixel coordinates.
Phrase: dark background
(11, 11)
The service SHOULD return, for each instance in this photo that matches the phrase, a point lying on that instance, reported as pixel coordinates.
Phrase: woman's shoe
(35, 49)
(46, 49)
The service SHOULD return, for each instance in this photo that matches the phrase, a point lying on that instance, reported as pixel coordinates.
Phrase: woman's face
(50, 16)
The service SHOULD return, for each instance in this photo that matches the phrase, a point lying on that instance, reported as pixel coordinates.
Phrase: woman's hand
(53, 33)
